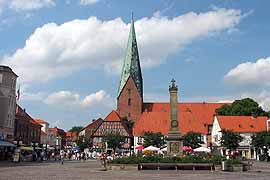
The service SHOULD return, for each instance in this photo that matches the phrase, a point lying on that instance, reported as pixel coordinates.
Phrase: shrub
(193, 158)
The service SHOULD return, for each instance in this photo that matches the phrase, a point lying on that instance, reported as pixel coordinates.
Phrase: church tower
(130, 92)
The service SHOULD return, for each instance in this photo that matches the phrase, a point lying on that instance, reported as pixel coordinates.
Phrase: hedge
(159, 159)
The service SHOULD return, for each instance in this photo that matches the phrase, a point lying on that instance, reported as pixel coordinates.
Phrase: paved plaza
(92, 170)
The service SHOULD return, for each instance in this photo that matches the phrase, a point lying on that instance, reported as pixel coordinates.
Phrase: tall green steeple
(131, 67)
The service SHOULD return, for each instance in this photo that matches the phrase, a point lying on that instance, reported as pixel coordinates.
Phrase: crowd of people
(56, 155)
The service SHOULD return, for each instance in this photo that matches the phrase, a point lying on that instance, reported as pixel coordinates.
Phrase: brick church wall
(133, 110)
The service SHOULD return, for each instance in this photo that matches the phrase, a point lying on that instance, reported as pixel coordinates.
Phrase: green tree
(76, 129)
(153, 139)
(114, 141)
(243, 107)
(83, 143)
(192, 139)
(128, 123)
(230, 139)
(261, 141)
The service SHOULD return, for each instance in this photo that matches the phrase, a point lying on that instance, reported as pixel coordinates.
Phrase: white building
(247, 126)
(45, 134)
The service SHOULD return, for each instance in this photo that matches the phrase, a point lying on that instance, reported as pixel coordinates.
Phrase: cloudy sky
(68, 53)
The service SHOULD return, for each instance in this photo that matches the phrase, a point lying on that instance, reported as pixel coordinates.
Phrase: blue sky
(68, 53)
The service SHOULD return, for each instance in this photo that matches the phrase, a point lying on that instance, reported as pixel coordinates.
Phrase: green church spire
(131, 67)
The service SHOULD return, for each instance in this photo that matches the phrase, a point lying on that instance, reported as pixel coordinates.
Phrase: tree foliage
(83, 143)
(261, 140)
(128, 123)
(230, 139)
(76, 129)
(192, 139)
(114, 141)
(243, 107)
(153, 139)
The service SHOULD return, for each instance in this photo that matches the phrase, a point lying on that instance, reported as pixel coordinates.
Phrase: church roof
(131, 66)
(243, 124)
(192, 117)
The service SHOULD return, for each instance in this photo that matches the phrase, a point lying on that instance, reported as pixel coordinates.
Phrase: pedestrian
(62, 156)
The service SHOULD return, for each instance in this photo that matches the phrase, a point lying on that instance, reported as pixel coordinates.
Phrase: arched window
(129, 101)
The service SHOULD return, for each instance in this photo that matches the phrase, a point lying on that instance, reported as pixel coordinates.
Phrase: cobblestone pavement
(92, 170)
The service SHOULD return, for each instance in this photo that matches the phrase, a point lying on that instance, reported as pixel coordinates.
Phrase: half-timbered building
(112, 124)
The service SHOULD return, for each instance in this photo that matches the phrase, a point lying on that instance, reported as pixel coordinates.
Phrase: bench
(176, 166)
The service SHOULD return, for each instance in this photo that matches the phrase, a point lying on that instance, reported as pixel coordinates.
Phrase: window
(1, 78)
(129, 101)
(216, 138)
(210, 129)
(140, 140)
(268, 124)
(129, 114)
(129, 91)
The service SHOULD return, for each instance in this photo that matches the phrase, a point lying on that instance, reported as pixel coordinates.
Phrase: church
(149, 116)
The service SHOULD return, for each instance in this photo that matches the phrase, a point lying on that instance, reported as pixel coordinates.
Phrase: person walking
(62, 156)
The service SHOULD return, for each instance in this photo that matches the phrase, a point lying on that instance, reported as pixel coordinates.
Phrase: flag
(18, 93)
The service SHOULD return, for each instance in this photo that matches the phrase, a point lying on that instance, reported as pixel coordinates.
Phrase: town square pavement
(92, 170)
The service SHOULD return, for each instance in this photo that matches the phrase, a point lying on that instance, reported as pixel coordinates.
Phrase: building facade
(246, 126)
(57, 138)
(45, 134)
(26, 129)
(88, 131)
(71, 139)
(7, 102)
(112, 124)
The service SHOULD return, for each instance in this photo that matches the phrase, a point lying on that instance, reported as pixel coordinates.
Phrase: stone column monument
(174, 139)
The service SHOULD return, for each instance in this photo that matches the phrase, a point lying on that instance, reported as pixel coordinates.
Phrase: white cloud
(72, 99)
(63, 98)
(88, 2)
(250, 74)
(54, 51)
(26, 5)
(2, 5)
(94, 98)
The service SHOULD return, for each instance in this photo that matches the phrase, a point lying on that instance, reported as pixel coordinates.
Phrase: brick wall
(129, 102)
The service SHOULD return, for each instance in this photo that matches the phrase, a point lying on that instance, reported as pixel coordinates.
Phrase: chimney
(254, 115)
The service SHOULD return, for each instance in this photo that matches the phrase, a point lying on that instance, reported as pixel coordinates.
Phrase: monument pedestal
(174, 143)
(174, 139)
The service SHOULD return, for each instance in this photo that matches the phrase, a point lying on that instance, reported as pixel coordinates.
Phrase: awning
(6, 144)
(26, 148)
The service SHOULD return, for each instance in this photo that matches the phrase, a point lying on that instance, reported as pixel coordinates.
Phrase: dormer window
(129, 101)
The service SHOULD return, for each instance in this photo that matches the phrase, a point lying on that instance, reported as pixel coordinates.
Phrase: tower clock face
(174, 123)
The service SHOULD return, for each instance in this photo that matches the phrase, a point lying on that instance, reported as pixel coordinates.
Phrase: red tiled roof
(23, 115)
(113, 116)
(243, 124)
(56, 130)
(71, 134)
(94, 124)
(41, 121)
(192, 117)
